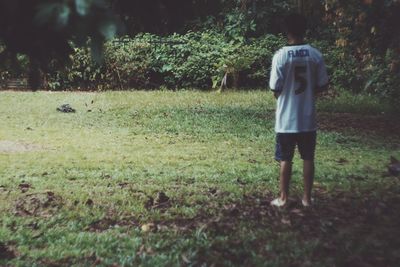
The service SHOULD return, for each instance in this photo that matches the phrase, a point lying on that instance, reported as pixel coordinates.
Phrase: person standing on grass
(298, 73)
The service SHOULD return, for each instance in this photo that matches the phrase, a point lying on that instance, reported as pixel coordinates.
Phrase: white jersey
(296, 72)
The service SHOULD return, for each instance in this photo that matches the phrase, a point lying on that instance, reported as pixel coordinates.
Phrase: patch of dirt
(161, 202)
(6, 252)
(38, 204)
(65, 262)
(364, 124)
(338, 221)
(17, 147)
(24, 187)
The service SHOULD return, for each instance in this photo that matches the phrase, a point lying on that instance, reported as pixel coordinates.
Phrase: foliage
(367, 34)
(263, 50)
(359, 40)
(189, 60)
(383, 76)
(43, 30)
(343, 68)
(127, 63)
(196, 59)
(237, 26)
(167, 17)
(255, 17)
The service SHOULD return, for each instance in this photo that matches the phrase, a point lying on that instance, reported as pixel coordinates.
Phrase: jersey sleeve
(276, 79)
(322, 75)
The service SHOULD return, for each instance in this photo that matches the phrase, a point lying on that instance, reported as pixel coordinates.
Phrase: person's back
(299, 70)
(298, 73)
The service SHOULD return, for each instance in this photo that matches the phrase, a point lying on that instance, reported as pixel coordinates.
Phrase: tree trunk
(235, 80)
(300, 6)
(34, 78)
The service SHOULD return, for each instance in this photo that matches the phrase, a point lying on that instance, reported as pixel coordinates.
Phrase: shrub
(127, 63)
(202, 59)
(12, 66)
(343, 68)
(196, 59)
(263, 50)
(189, 60)
(383, 76)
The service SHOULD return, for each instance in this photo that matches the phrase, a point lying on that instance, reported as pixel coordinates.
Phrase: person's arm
(277, 94)
(276, 78)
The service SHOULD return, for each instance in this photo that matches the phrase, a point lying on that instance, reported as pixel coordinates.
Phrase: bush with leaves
(202, 59)
(12, 66)
(127, 63)
(196, 60)
(343, 69)
(188, 60)
(262, 50)
(383, 76)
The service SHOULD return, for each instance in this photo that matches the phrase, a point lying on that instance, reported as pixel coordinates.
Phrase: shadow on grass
(381, 125)
(340, 230)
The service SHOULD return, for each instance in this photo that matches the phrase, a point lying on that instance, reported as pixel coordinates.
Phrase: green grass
(92, 177)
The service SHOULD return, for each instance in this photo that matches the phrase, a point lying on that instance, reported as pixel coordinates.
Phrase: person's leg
(285, 145)
(306, 144)
(284, 178)
(308, 177)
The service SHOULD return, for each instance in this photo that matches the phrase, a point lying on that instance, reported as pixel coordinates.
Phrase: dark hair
(296, 24)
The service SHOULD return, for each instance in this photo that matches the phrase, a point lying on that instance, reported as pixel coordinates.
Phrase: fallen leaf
(89, 202)
(240, 181)
(212, 191)
(149, 203)
(161, 198)
(185, 259)
(24, 187)
(123, 185)
(297, 212)
(342, 161)
(148, 227)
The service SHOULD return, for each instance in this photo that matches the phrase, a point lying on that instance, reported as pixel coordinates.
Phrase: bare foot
(278, 202)
(306, 203)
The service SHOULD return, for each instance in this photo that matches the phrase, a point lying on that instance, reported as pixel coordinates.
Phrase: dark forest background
(124, 44)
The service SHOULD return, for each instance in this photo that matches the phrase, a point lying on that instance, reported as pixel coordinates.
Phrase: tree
(43, 30)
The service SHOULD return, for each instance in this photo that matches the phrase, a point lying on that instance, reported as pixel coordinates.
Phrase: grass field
(185, 179)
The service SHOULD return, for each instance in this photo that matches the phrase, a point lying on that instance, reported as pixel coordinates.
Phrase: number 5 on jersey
(299, 73)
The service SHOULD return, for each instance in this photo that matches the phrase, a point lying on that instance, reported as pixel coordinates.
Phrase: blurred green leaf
(96, 48)
(54, 12)
(108, 29)
(82, 6)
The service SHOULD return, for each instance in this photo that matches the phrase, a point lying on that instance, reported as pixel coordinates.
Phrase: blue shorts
(286, 144)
